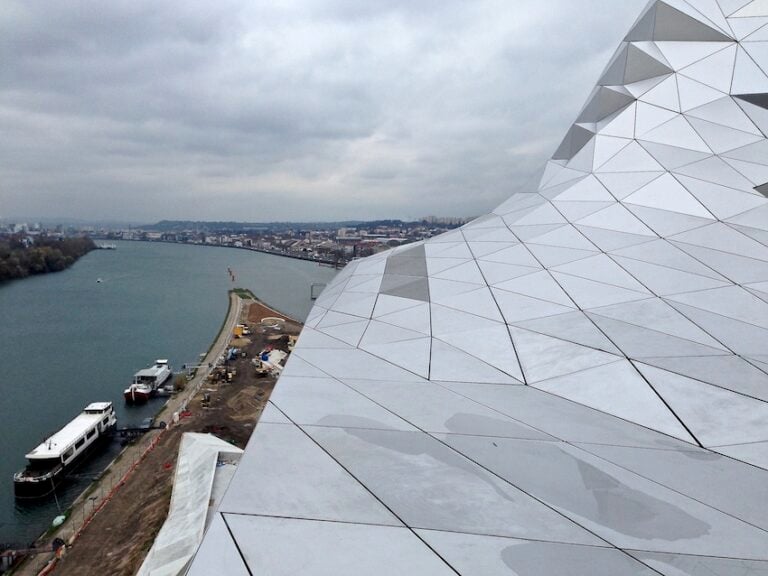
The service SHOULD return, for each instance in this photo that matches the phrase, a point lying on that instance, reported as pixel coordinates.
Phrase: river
(67, 340)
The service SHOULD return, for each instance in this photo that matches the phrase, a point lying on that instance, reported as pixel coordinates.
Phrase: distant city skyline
(34, 222)
(311, 111)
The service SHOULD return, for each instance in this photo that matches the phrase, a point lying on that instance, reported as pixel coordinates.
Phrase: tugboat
(147, 381)
(50, 462)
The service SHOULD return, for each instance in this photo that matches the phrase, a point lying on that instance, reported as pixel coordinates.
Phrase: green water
(66, 340)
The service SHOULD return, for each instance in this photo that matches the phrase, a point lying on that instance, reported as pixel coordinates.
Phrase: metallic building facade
(575, 383)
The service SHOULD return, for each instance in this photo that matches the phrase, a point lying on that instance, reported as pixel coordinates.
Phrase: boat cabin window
(98, 410)
(104, 422)
(91, 433)
(46, 464)
(68, 454)
(79, 442)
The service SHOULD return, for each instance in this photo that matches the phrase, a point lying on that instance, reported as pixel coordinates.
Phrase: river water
(67, 340)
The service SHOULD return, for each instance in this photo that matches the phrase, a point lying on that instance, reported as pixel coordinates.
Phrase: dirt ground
(120, 535)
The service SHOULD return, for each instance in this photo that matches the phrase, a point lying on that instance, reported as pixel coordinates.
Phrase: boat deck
(54, 446)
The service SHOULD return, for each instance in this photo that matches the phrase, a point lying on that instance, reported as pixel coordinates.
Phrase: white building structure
(203, 471)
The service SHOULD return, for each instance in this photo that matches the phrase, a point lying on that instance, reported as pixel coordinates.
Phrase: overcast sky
(289, 110)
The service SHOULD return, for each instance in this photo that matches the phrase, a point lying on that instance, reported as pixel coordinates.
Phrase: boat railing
(32, 475)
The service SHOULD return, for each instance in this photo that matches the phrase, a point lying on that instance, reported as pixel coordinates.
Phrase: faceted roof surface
(576, 383)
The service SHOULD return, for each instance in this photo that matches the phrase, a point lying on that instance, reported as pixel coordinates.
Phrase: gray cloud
(303, 109)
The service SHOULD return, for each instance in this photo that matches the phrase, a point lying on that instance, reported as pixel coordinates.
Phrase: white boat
(147, 381)
(50, 461)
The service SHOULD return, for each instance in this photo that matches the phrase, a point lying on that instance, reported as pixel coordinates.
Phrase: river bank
(21, 257)
(337, 264)
(67, 340)
(112, 525)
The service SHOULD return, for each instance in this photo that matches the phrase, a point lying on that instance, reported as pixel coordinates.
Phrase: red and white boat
(147, 381)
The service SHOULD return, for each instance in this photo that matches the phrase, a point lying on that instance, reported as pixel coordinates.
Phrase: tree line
(18, 260)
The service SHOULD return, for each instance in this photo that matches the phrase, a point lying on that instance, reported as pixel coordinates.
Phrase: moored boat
(137, 393)
(52, 459)
(147, 381)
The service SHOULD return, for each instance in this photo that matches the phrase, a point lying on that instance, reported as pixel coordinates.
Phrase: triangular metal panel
(666, 193)
(716, 417)
(655, 314)
(665, 281)
(517, 308)
(592, 294)
(666, 223)
(665, 254)
(619, 389)
(574, 327)
(694, 94)
(450, 364)
(673, 24)
(639, 342)
(715, 71)
(544, 357)
(729, 372)
(537, 285)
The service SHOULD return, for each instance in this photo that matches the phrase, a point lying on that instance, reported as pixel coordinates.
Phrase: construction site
(112, 526)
